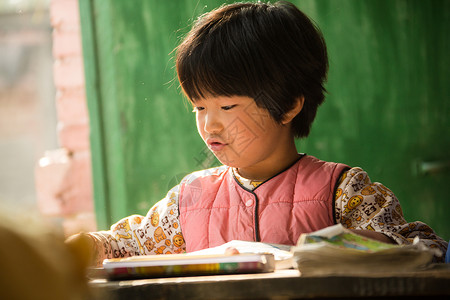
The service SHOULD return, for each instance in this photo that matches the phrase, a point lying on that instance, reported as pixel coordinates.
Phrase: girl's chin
(234, 163)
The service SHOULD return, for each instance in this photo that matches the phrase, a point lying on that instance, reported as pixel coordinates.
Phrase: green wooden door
(143, 134)
(386, 110)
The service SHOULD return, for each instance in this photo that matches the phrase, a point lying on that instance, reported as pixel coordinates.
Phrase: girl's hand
(231, 251)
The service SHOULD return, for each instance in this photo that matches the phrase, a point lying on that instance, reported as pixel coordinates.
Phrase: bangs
(208, 78)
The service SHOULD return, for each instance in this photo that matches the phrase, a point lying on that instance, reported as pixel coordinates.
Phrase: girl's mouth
(216, 146)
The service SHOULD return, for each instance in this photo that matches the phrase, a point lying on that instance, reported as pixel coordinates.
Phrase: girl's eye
(228, 107)
(198, 108)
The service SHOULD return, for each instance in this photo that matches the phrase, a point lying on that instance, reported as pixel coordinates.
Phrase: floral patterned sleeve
(158, 232)
(361, 204)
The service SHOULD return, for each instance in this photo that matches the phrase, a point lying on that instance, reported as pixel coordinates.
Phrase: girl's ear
(295, 110)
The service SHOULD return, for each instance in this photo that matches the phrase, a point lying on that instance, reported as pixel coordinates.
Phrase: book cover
(171, 265)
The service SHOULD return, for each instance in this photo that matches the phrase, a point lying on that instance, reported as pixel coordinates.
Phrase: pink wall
(63, 176)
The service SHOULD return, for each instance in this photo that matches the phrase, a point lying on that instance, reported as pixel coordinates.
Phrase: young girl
(255, 73)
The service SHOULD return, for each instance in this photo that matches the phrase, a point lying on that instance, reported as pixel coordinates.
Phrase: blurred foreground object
(36, 263)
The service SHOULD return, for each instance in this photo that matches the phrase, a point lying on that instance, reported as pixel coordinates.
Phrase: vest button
(249, 202)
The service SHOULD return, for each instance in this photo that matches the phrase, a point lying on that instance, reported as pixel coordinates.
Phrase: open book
(332, 250)
(336, 250)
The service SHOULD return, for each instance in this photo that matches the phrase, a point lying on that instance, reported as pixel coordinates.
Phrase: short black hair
(272, 53)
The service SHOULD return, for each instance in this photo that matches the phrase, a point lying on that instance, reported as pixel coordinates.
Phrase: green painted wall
(387, 109)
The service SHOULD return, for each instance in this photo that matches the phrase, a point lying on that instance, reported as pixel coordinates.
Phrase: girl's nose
(213, 123)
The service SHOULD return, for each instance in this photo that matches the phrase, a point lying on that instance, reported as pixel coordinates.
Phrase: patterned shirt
(359, 204)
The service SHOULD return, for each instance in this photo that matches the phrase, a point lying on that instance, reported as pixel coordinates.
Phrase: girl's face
(242, 135)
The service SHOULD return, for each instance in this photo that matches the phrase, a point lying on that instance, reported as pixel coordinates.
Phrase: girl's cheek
(200, 126)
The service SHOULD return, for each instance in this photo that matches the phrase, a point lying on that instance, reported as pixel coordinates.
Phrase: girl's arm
(156, 233)
(371, 209)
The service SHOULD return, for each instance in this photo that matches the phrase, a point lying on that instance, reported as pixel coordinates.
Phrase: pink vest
(215, 209)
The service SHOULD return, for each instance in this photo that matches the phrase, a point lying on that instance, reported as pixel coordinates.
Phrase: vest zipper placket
(257, 236)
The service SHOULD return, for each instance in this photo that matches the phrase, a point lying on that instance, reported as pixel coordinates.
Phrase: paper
(336, 250)
(281, 253)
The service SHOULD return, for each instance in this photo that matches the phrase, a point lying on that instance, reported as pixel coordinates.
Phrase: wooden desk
(286, 284)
